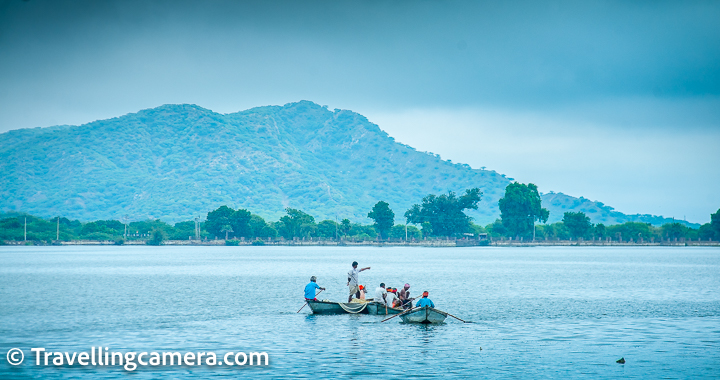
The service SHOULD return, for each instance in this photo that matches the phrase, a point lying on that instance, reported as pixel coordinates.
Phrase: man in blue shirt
(310, 289)
(425, 301)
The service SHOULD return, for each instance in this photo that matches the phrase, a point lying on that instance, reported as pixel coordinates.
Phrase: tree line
(434, 217)
(520, 209)
(577, 225)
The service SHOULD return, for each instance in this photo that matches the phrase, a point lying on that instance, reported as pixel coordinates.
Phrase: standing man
(353, 281)
(310, 289)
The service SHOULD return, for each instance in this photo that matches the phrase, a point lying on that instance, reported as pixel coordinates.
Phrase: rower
(381, 294)
(404, 296)
(425, 301)
(310, 289)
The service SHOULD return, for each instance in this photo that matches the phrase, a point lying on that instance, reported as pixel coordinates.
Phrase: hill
(559, 203)
(176, 162)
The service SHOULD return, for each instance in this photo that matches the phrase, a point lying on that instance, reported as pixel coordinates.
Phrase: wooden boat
(425, 314)
(327, 307)
(375, 308)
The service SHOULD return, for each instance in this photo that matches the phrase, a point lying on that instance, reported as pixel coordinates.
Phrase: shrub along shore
(439, 220)
(39, 231)
(432, 242)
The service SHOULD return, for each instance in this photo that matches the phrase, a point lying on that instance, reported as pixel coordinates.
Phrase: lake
(541, 312)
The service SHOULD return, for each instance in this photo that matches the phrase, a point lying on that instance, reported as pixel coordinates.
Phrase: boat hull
(323, 307)
(424, 315)
(375, 308)
(320, 307)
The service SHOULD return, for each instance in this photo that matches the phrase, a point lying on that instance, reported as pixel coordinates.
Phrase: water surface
(542, 312)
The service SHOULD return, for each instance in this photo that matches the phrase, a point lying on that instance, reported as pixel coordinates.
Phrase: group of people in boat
(391, 297)
(385, 296)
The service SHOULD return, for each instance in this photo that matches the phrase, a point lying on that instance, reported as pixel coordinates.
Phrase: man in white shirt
(353, 280)
(381, 294)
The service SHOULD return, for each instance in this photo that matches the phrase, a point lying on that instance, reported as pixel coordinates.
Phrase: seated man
(381, 294)
(310, 289)
(362, 292)
(404, 296)
(425, 301)
(391, 298)
(396, 302)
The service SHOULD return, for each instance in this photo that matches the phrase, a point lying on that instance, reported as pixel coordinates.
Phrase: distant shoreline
(420, 243)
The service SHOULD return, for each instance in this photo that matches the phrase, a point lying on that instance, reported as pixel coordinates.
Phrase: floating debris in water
(621, 361)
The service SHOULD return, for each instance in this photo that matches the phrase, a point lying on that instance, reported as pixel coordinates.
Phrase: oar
(306, 302)
(457, 318)
(406, 301)
(402, 304)
(397, 315)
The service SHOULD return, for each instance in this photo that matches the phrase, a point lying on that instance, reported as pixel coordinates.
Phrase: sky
(616, 101)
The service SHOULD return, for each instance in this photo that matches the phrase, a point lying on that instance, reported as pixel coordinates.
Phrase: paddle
(306, 302)
(397, 315)
(457, 318)
(406, 301)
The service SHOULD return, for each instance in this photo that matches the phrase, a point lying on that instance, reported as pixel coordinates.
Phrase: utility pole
(125, 219)
(197, 228)
(533, 230)
(57, 235)
(26, 228)
(405, 231)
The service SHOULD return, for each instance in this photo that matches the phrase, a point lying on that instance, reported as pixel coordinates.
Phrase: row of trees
(223, 223)
(521, 208)
(618, 232)
(437, 215)
(577, 225)
(441, 215)
(22, 226)
(228, 223)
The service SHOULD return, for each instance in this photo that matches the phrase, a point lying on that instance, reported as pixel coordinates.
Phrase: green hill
(176, 162)
(559, 203)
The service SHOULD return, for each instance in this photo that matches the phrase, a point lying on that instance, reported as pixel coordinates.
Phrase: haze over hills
(176, 162)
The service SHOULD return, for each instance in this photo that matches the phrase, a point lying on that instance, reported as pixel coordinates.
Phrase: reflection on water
(540, 312)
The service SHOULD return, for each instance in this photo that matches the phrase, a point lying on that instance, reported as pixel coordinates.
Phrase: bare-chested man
(404, 296)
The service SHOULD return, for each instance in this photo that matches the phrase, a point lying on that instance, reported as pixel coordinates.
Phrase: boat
(425, 314)
(328, 307)
(375, 308)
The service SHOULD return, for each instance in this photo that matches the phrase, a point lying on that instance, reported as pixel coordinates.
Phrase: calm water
(561, 312)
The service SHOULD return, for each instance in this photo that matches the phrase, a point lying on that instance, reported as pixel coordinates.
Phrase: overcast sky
(615, 101)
